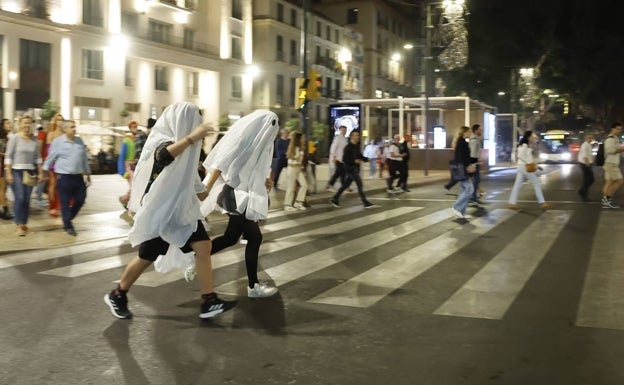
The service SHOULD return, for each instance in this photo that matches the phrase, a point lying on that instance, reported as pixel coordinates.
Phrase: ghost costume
(244, 158)
(169, 210)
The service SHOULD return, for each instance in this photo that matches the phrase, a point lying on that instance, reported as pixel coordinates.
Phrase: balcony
(184, 5)
(172, 41)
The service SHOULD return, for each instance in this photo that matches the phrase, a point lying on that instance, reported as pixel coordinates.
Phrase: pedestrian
(395, 157)
(139, 138)
(56, 130)
(585, 160)
(240, 164)
(4, 138)
(41, 187)
(336, 150)
(68, 154)
(296, 174)
(611, 167)
(166, 195)
(352, 159)
(526, 169)
(127, 160)
(22, 164)
(475, 158)
(404, 166)
(462, 158)
(280, 159)
(371, 152)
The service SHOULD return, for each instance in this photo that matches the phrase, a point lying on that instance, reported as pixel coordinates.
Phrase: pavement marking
(295, 269)
(79, 269)
(490, 292)
(230, 257)
(26, 257)
(369, 287)
(602, 303)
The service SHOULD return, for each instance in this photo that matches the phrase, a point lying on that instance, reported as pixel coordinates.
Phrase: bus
(558, 146)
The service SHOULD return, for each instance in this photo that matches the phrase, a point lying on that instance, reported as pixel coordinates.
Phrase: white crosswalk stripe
(487, 293)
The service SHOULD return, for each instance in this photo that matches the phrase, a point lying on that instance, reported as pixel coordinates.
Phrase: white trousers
(520, 178)
(295, 174)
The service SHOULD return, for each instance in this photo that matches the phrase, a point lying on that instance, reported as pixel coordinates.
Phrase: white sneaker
(330, 189)
(261, 290)
(299, 206)
(457, 214)
(398, 190)
(468, 216)
(190, 273)
(242, 241)
(289, 208)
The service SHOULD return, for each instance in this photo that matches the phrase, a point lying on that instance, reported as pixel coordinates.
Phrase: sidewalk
(103, 218)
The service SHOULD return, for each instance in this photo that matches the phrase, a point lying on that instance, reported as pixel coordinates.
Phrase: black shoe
(118, 305)
(369, 205)
(334, 202)
(71, 232)
(215, 307)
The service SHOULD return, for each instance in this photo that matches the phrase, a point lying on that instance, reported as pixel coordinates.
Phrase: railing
(174, 41)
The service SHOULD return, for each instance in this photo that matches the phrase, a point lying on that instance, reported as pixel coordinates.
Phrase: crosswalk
(304, 245)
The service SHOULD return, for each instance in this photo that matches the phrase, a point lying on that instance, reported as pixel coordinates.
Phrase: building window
(293, 17)
(92, 13)
(237, 48)
(129, 23)
(352, 16)
(128, 80)
(328, 32)
(280, 12)
(327, 90)
(92, 64)
(237, 9)
(337, 36)
(293, 91)
(237, 87)
(318, 28)
(318, 55)
(193, 83)
(279, 42)
(161, 82)
(294, 56)
(159, 32)
(189, 38)
(279, 89)
(34, 55)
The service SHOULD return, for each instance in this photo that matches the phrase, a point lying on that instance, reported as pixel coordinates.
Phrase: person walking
(56, 130)
(611, 167)
(462, 157)
(23, 171)
(371, 152)
(240, 163)
(280, 160)
(526, 169)
(395, 157)
(404, 166)
(4, 138)
(68, 154)
(295, 174)
(352, 159)
(585, 160)
(475, 158)
(168, 220)
(336, 150)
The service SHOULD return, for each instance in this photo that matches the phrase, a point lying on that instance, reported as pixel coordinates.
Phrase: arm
(212, 178)
(85, 165)
(8, 159)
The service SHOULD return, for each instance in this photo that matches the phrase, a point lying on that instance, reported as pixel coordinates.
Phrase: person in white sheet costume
(242, 160)
(166, 194)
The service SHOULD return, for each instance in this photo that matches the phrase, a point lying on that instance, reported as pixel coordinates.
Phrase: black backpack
(600, 154)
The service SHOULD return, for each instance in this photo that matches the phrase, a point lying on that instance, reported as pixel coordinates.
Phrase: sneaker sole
(261, 296)
(112, 308)
(211, 314)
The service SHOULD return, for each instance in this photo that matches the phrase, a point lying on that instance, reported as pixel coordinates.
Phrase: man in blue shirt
(68, 154)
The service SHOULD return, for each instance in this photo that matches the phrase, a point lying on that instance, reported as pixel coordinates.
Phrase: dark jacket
(462, 152)
(404, 148)
(350, 154)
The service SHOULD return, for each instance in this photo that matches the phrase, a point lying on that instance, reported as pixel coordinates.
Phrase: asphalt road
(401, 294)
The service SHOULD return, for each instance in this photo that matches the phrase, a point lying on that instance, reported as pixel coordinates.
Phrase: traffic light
(301, 93)
(315, 86)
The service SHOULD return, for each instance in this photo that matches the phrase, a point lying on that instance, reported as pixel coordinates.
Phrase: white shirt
(337, 148)
(611, 144)
(394, 149)
(585, 154)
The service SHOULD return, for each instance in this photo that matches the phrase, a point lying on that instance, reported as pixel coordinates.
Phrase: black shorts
(150, 250)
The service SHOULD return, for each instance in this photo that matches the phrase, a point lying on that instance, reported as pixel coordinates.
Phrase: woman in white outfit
(295, 174)
(525, 156)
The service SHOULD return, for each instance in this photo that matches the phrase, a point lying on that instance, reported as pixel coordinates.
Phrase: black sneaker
(369, 205)
(118, 305)
(334, 202)
(215, 307)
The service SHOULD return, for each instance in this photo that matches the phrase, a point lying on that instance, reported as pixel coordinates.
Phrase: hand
(268, 183)
(40, 177)
(202, 196)
(201, 131)
(88, 181)
(9, 178)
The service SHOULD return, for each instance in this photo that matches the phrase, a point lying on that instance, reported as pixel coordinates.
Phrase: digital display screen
(347, 115)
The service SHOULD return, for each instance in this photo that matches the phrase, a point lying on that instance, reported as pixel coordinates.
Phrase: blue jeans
(466, 189)
(353, 175)
(22, 193)
(476, 180)
(71, 186)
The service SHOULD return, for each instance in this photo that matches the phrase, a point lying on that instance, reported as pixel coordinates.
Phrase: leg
(203, 265)
(513, 198)
(476, 180)
(19, 216)
(466, 189)
(80, 195)
(537, 187)
(358, 182)
(231, 235)
(254, 240)
(303, 186)
(65, 191)
(291, 174)
(132, 272)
